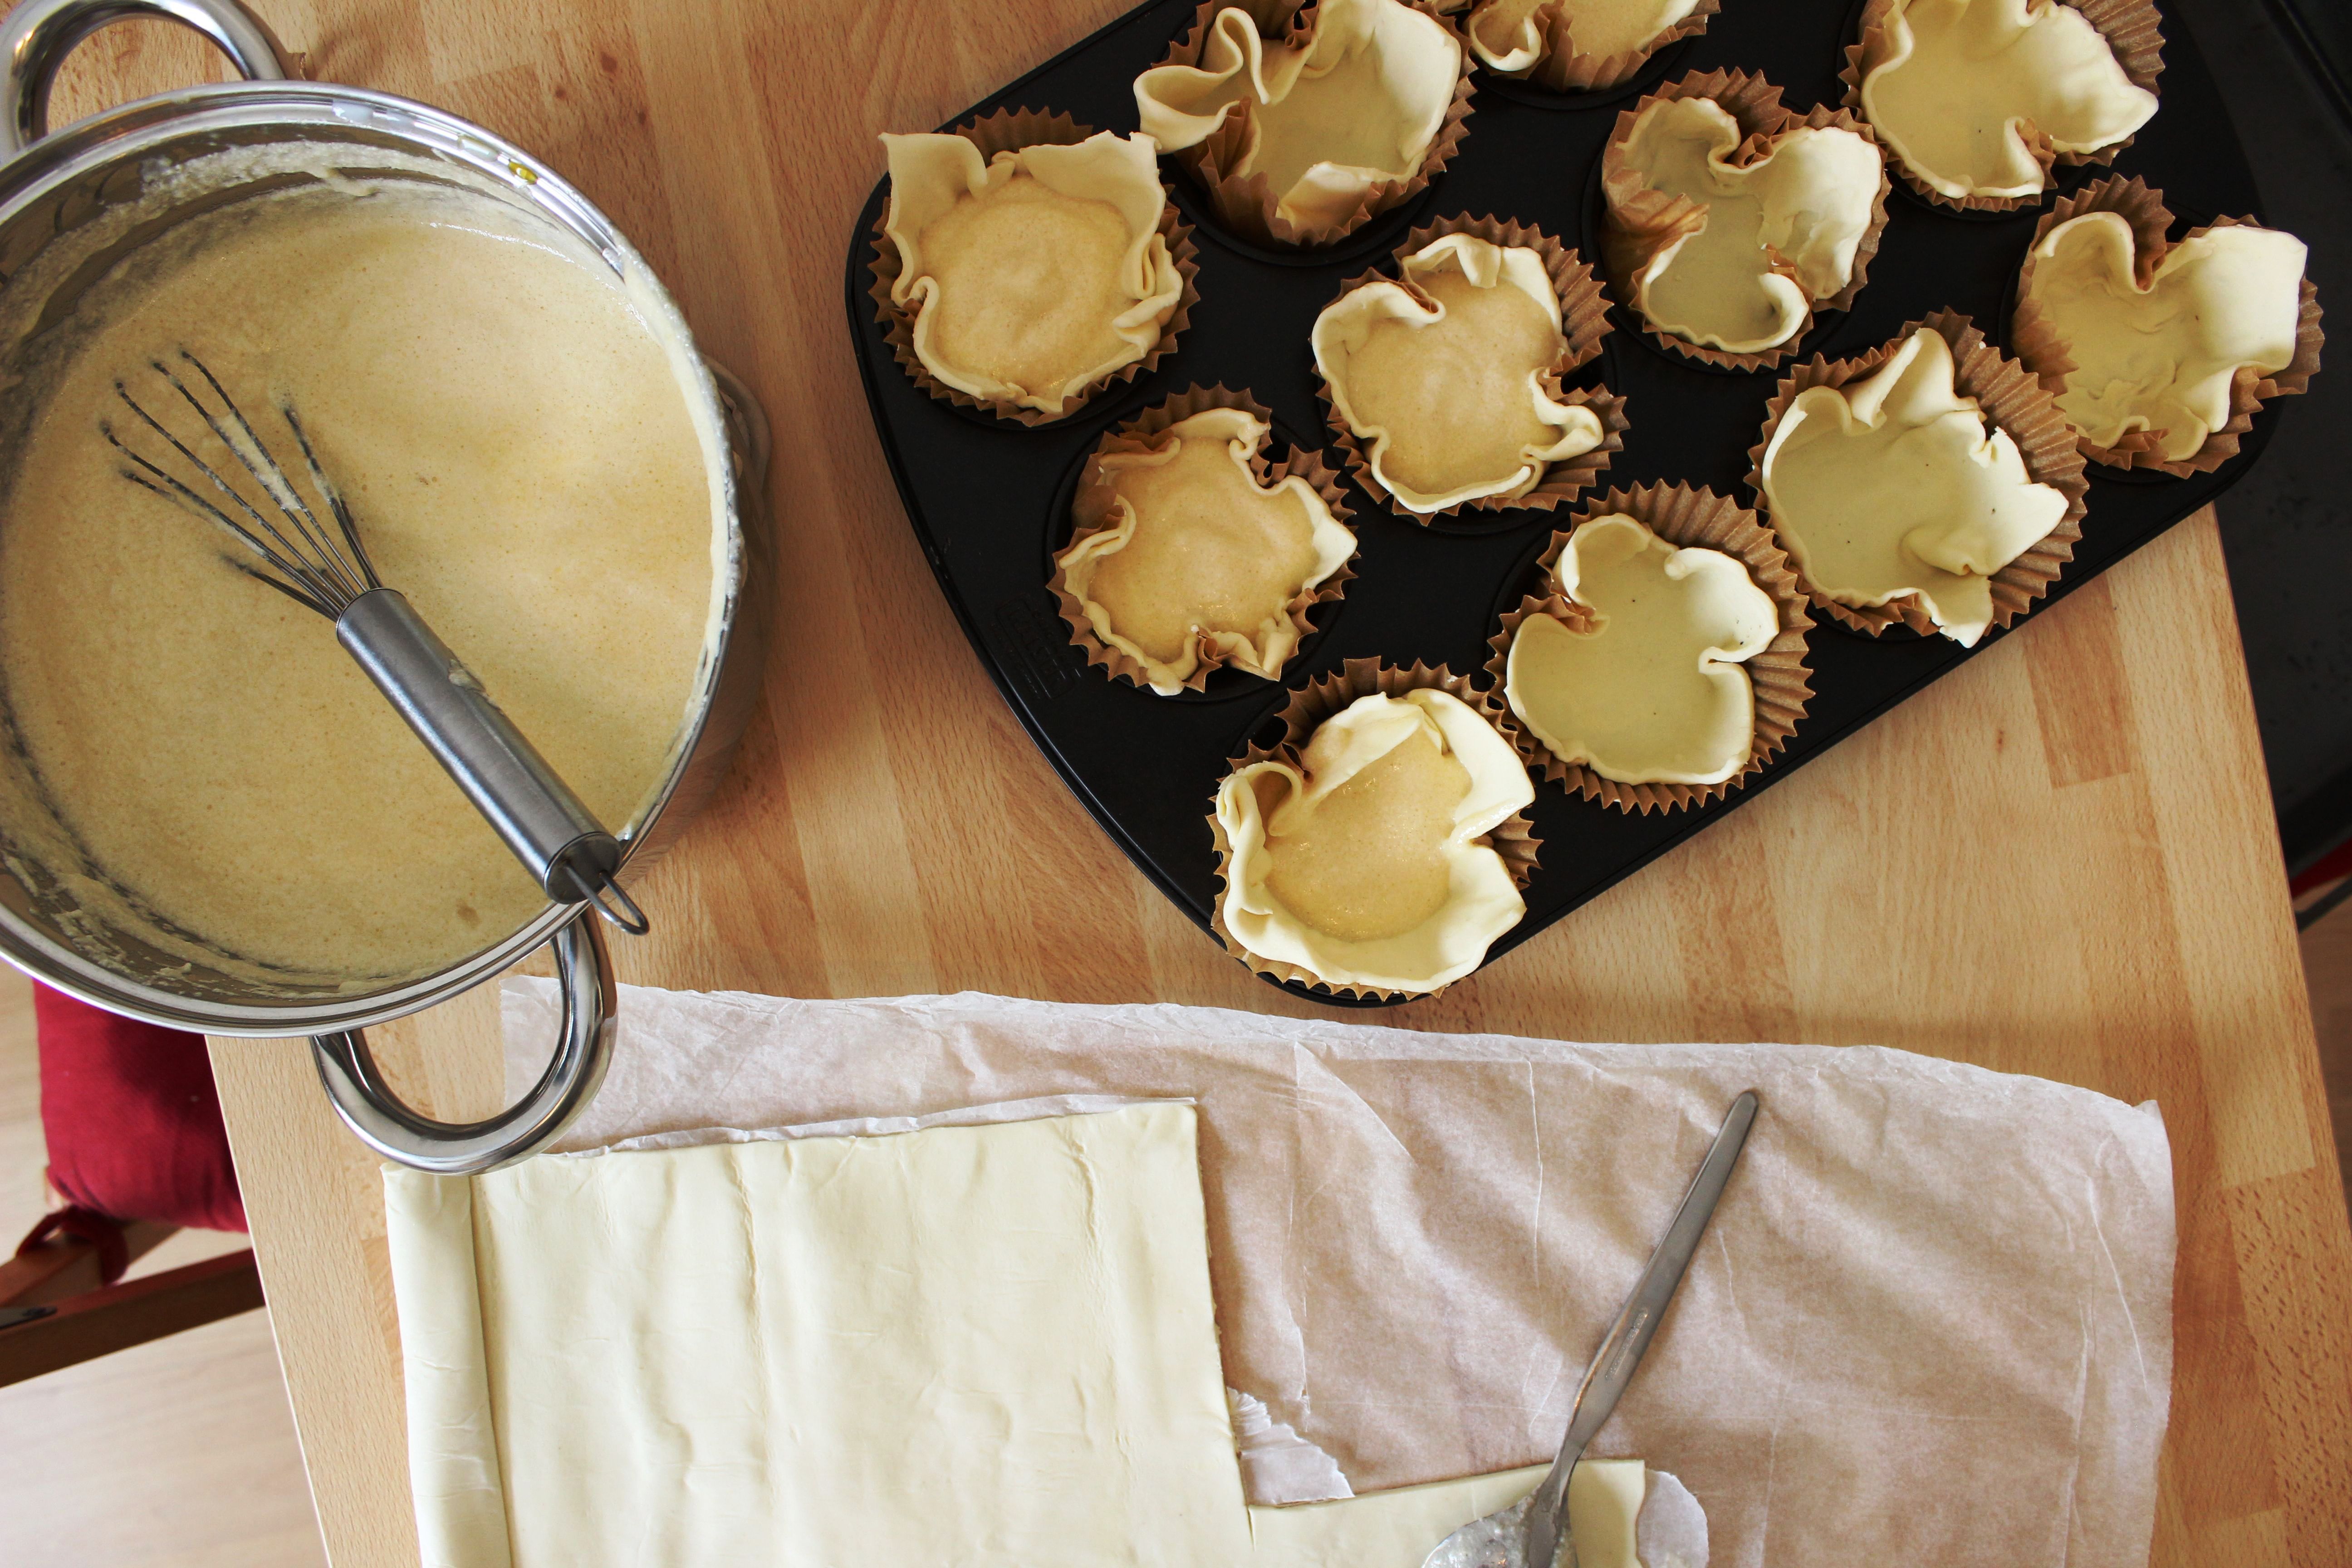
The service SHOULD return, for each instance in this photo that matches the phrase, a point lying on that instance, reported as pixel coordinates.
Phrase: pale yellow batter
(1029, 283)
(1369, 860)
(1441, 441)
(513, 439)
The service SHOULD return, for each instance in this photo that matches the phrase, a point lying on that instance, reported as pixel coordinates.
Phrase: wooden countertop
(2060, 860)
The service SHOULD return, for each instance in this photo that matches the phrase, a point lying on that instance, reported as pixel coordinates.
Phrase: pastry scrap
(1035, 275)
(1648, 690)
(2153, 359)
(1449, 378)
(1621, 1515)
(1185, 560)
(1364, 860)
(1336, 119)
(1578, 44)
(1895, 485)
(1730, 240)
(1977, 98)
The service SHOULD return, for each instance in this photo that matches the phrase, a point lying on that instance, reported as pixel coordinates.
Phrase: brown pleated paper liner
(1142, 434)
(2015, 402)
(2133, 29)
(1640, 222)
(2044, 353)
(1688, 517)
(1006, 131)
(1584, 323)
(1563, 68)
(1245, 203)
(1514, 840)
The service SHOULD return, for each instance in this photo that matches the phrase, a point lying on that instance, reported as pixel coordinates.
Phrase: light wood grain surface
(2060, 860)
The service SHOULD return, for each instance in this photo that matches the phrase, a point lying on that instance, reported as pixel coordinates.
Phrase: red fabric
(132, 1120)
(85, 1225)
(2337, 862)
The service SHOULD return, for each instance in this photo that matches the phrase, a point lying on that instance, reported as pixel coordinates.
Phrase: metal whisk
(324, 567)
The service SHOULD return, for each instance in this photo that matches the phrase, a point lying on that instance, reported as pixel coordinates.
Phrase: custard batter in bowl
(197, 759)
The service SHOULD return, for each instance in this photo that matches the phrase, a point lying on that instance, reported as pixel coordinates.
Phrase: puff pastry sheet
(970, 1344)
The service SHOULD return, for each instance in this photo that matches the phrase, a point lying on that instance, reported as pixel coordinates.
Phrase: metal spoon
(1533, 1531)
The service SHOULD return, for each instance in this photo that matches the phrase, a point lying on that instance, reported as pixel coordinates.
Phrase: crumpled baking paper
(1931, 1321)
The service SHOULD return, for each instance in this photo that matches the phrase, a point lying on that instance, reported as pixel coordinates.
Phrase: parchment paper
(1931, 1322)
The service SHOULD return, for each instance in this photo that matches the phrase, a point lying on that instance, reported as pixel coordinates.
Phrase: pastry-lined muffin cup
(2134, 32)
(1561, 67)
(1513, 840)
(1008, 130)
(1777, 677)
(2014, 401)
(1141, 434)
(1247, 204)
(2044, 353)
(1584, 323)
(1639, 222)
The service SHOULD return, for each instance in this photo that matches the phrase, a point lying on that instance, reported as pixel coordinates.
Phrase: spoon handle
(1614, 1364)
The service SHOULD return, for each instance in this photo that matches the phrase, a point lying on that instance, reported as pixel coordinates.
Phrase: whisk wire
(334, 497)
(269, 475)
(318, 575)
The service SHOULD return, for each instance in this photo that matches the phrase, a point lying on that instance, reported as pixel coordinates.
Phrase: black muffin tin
(990, 499)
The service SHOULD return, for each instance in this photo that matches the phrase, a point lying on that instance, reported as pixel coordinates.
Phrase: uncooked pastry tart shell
(2043, 352)
(1638, 222)
(1782, 685)
(1514, 840)
(1246, 203)
(1584, 323)
(1141, 434)
(2015, 402)
(1562, 69)
(1009, 131)
(2133, 31)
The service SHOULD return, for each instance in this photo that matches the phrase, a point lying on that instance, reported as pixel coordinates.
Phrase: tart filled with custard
(1444, 382)
(1027, 280)
(1192, 553)
(1366, 858)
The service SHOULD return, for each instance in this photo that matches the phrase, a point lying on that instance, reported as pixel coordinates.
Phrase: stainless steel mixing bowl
(50, 186)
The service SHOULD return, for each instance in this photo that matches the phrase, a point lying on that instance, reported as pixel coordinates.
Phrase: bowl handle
(369, 1109)
(36, 35)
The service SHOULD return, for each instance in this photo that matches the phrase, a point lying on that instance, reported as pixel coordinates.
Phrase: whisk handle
(557, 838)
